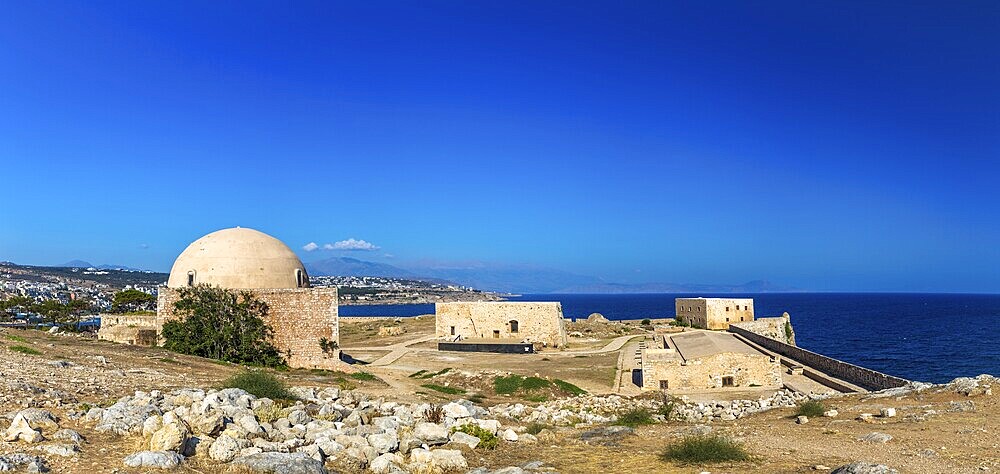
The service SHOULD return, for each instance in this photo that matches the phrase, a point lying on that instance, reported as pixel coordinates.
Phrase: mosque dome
(238, 258)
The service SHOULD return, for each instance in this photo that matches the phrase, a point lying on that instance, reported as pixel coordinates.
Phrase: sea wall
(865, 378)
(778, 328)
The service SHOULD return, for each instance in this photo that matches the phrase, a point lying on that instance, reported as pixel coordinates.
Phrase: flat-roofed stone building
(246, 259)
(537, 322)
(714, 313)
(707, 361)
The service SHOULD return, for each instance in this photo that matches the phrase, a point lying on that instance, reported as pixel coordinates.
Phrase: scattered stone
(820, 467)
(20, 430)
(802, 419)
(280, 463)
(62, 450)
(861, 467)
(606, 435)
(875, 437)
(431, 433)
(831, 413)
(466, 439)
(510, 435)
(154, 459)
(888, 412)
(867, 417)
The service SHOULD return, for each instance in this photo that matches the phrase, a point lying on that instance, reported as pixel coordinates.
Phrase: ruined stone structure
(714, 313)
(537, 322)
(778, 328)
(245, 259)
(706, 361)
(135, 329)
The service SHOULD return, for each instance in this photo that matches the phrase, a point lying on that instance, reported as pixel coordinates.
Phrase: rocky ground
(80, 405)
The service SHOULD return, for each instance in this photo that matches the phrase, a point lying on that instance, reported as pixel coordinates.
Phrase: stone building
(714, 313)
(537, 322)
(707, 361)
(134, 329)
(246, 259)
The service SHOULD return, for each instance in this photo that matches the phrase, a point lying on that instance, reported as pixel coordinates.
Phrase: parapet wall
(774, 328)
(300, 317)
(865, 378)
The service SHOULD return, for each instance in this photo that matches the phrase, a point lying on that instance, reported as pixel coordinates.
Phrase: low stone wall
(774, 328)
(865, 378)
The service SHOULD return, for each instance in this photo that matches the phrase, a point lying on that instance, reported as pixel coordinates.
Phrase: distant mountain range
(522, 278)
(106, 266)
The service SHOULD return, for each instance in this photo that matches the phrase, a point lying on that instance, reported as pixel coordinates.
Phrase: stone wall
(300, 317)
(136, 329)
(534, 321)
(714, 313)
(774, 328)
(706, 373)
(865, 378)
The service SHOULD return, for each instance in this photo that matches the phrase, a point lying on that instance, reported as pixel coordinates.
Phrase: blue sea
(926, 337)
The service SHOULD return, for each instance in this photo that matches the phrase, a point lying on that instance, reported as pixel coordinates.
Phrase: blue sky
(823, 145)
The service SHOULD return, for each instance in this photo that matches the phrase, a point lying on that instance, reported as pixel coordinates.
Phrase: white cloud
(351, 244)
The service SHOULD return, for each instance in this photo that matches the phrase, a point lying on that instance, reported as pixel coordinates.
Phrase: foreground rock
(861, 467)
(154, 459)
(281, 463)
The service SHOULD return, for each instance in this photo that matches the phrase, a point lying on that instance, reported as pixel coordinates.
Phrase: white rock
(888, 412)
(154, 459)
(466, 439)
(455, 410)
(431, 433)
(509, 435)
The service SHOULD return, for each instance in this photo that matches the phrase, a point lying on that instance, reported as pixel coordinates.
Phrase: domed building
(250, 260)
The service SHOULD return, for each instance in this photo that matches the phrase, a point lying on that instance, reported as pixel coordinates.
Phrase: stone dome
(238, 258)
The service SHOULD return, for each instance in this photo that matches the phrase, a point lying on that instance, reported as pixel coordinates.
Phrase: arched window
(191, 278)
(299, 280)
(513, 326)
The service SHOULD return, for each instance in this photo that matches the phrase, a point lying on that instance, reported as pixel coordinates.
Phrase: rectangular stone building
(707, 361)
(538, 322)
(714, 313)
(300, 318)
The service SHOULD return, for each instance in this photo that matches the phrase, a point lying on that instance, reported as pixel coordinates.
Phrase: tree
(133, 300)
(16, 304)
(222, 324)
(51, 311)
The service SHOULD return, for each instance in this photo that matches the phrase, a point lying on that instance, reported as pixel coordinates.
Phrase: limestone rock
(384, 442)
(225, 448)
(449, 459)
(431, 433)
(455, 410)
(888, 412)
(41, 420)
(802, 419)
(606, 435)
(466, 439)
(172, 436)
(875, 437)
(831, 413)
(861, 467)
(281, 463)
(509, 435)
(388, 463)
(154, 459)
(62, 450)
(20, 430)
(867, 417)
(68, 436)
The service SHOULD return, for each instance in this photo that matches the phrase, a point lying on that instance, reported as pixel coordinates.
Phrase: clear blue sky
(824, 145)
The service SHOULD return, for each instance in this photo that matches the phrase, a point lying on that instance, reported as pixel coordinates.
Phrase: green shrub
(260, 384)
(568, 387)
(25, 350)
(418, 374)
(666, 409)
(443, 389)
(534, 383)
(699, 449)
(537, 398)
(788, 332)
(487, 440)
(507, 385)
(635, 417)
(222, 324)
(269, 413)
(646, 322)
(811, 408)
(16, 338)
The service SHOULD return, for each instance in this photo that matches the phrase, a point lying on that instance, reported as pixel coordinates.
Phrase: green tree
(133, 300)
(51, 311)
(222, 324)
(15, 304)
(76, 309)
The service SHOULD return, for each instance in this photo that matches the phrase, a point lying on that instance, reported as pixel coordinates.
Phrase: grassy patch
(423, 374)
(705, 449)
(363, 376)
(487, 440)
(537, 398)
(443, 389)
(16, 338)
(169, 360)
(513, 383)
(260, 384)
(810, 408)
(418, 374)
(568, 387)
(635, 417)
(535, 428)
(25, 350)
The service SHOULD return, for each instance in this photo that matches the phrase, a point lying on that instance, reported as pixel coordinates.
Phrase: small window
(496, 334)
(298, 278)
(727, 308)
(513, 326)
(453, 330)
(727, 381)
(744, 308)
(727, 320)
(191, 278)
(741, 318)
(664, 384)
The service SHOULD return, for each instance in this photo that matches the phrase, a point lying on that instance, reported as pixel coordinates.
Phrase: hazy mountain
(76, 264)
(512, 279)
(107, 266)
(347, 266)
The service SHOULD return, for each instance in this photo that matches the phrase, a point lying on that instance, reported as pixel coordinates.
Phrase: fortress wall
(712, 313)
(860, 376)
(706, 373)
(536, 321)
(773, 328)
(300, 317)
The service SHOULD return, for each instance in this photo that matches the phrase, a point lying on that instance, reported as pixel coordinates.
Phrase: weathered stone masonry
(540, 322)
(300, 317)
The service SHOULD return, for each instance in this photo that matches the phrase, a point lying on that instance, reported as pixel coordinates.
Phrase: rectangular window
(664, 384)
(453, 330)
(727, 320)
(727, 381)
(496, 334)
(727, 308)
